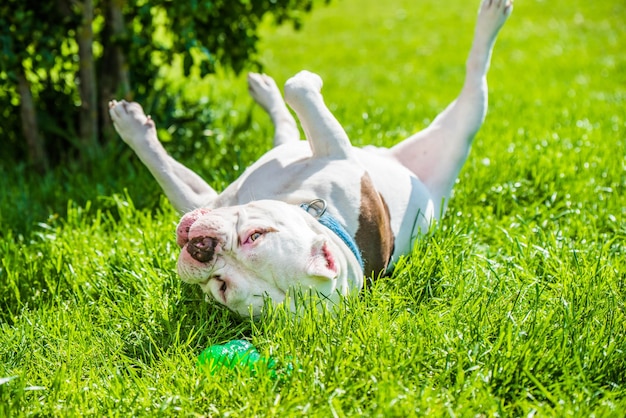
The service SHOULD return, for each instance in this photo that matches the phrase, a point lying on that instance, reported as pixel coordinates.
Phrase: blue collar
(319, 208)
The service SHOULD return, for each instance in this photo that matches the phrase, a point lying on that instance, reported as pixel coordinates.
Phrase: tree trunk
(122, 85)
(30, 128)
(114, 75)
(88, 128)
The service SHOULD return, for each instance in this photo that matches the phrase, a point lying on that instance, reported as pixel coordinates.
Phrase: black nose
(202, 248)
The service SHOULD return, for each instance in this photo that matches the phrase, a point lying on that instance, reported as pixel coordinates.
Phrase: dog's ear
(321, 264)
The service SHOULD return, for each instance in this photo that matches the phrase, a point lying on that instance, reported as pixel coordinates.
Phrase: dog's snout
(182, 230)
(202, 248)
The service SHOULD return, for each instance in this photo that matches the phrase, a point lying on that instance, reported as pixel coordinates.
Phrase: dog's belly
(291, 174)
(409, 202)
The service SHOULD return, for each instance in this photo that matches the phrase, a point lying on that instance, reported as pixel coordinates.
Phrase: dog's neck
(317, 209)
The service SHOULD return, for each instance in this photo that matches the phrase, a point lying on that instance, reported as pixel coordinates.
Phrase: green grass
(514, 306)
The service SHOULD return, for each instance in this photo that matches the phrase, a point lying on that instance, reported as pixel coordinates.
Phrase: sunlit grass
(515, 305)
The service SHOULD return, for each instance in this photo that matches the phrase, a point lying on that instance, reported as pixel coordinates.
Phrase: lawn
(515, 305)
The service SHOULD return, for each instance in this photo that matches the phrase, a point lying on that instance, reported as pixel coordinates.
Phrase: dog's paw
(130, 122)
(492, 15)
(300, 84)
(264, 91)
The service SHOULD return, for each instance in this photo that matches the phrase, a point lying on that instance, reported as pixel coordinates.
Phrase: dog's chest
(289, 173)
(365, 185)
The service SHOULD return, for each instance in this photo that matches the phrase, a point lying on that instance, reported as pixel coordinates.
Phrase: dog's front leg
(324, 133)
(184, 188)
(264, 91)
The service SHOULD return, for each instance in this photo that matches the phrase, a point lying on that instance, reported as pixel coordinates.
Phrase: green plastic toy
(234, 354)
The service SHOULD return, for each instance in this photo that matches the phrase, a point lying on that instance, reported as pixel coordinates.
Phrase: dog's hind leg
(184, 188)
(325, 134)
(264, 91)
(437, 154)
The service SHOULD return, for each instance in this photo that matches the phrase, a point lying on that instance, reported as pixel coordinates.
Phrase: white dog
(319, 213)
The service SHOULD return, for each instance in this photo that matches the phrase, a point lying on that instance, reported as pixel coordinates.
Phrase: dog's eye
(253, 237)
(255, 234)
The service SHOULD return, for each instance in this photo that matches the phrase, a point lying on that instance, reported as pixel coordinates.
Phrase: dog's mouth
(215, 288)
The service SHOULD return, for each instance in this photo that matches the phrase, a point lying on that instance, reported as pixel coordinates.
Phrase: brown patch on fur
(374, 235)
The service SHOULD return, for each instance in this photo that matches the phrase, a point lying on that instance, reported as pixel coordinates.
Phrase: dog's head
(240, 255)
